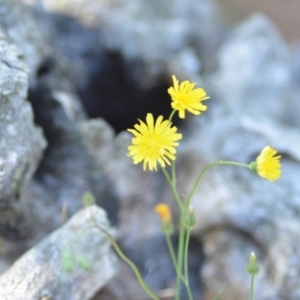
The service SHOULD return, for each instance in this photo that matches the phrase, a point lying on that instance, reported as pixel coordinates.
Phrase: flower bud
(88, 199)
(164, 212)
(252, 267)
(189, 219)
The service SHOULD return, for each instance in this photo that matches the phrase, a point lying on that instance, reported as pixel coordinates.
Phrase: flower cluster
(155, 142)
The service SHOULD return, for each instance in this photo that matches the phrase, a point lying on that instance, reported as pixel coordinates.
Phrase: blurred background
(285, 14)
(75, 74)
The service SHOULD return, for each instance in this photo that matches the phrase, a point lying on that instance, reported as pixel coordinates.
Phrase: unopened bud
(164, 212)
(190, 220)
(252, 267)
(88, 199)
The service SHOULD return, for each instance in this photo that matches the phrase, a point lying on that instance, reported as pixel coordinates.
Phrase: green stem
(221, 162)
(130, 263)
(180, 254)
(172, 114)
(186, 273)
(173, 256)
(174, 190)
(174, 180)
(252, 287)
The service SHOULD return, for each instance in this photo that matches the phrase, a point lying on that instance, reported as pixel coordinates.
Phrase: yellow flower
(153, 142)
(185, 97)
(164, 212)
(268, 164)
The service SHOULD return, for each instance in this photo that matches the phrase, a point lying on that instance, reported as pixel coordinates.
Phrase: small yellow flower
(268, 164)
(153, 142)
(185, 97)
(164, 212)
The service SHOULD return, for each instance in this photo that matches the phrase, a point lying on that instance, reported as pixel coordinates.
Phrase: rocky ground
(72, 81)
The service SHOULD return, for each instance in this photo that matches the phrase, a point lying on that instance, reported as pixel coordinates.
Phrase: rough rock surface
(21, 143)
(237, 211)
(66, 170)
(253, 76)
(133, 46)
(152, 35)
(20, 27)
(39, 273)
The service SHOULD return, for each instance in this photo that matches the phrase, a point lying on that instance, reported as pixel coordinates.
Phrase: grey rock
(65, 171)
(252, 96)
(238, 212)
(137, 200)
(21, 29)
(22, 143)
(293, 115)
(39, 273)
(154, 32)
(254, 75)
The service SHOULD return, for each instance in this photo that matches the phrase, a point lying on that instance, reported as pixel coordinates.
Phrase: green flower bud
(189, 219)
(168, 228)
(88, 199)
(252, 267)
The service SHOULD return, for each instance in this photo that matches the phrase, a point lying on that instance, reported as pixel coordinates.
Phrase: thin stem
(125, 258)
(172, 114)
(180, 254)
(173, 168)
(221, 162)
(185, 264)
(252, 287)
(173, 256)
(130, 263)
(173, 188)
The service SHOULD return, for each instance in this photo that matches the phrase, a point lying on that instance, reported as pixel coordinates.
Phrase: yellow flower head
(153, 142)
(164, 212)
(268, 164)
(185, 97)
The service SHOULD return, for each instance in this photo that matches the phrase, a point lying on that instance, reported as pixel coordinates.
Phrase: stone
(20, 27)
(254, 75)
(39, 273)
(238, 212)
(36, 186)
(149, 34)
(22, 143)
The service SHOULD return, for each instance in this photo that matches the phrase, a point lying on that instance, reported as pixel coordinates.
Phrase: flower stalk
(154, 143)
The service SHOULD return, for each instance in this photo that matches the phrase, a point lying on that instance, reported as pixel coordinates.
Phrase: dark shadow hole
(114, 94)
(45, 67)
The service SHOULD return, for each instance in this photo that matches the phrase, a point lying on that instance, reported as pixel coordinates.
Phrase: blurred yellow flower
(153, 142)
(268, 164)
(185, 97)
(164, 212)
